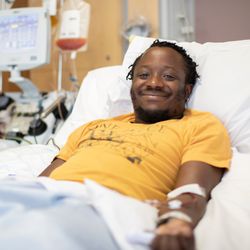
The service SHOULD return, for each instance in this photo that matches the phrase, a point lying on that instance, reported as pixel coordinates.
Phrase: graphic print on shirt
(135, 144)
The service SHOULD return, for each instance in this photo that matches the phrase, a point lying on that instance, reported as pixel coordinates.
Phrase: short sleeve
(208, 142)
(72, 142)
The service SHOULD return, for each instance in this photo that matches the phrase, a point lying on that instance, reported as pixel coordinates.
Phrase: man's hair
(191, 73)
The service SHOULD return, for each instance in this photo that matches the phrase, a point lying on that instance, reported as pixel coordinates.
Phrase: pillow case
(224, 89)
(104, 93)
(224, 85)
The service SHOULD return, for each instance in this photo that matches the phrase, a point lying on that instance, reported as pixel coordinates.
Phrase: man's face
(158, 87)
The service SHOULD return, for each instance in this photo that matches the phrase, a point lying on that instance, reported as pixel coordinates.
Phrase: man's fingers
(187, 242)
(164, 242)
(173, 242)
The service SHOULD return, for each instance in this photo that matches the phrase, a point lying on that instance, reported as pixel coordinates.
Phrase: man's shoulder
(199, 115)
(202, 118)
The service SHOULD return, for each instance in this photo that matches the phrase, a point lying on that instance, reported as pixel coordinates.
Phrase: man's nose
(155, 81)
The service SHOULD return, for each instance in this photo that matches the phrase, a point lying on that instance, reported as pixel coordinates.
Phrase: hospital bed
(222, 89)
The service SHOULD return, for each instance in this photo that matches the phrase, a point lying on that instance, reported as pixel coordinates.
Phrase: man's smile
(153, 94)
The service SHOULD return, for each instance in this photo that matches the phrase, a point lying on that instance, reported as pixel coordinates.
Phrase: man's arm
(176, 233)
(54, 164)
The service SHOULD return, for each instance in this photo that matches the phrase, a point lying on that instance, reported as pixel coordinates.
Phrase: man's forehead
(161, 52)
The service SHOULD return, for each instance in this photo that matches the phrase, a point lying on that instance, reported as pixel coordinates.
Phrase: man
(160, 148)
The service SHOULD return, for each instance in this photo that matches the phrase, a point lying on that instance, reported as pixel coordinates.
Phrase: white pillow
(224, 90)
(103, 93)
(229, 206)
(224, 86)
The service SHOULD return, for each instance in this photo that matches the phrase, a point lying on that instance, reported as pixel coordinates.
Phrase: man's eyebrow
(163, 66)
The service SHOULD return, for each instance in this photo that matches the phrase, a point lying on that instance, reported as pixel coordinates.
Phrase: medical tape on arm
(175, 205)
(189, 188)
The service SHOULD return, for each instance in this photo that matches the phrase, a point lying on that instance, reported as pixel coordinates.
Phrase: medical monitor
(24, 38)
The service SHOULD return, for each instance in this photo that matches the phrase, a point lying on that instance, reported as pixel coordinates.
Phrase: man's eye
(169, 77)
(143, 75)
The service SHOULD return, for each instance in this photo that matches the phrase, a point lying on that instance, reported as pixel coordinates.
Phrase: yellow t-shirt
(142, 160)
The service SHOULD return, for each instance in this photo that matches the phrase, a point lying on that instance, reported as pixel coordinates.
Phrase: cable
(73, 72)
(35, 139)
(53, 142)
(17, 138)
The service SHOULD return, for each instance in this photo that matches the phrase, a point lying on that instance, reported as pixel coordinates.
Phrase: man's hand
(174, 235)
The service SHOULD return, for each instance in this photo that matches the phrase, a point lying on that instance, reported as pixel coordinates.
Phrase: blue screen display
(18, 32)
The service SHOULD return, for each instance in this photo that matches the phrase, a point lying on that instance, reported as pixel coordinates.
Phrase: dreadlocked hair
(192, 74)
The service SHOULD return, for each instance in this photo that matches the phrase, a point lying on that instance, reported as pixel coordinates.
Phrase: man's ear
(188, 90)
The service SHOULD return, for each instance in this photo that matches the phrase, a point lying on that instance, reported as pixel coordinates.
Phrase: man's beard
(153, 116)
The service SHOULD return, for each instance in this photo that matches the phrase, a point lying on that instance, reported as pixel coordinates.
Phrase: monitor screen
(18, 32)
(24, 38)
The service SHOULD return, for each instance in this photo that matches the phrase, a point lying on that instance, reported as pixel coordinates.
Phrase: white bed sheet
(26, 161)
(225, 224)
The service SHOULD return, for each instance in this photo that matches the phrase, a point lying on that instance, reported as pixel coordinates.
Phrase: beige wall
(223, 20)
(104, 46)
(148, 9)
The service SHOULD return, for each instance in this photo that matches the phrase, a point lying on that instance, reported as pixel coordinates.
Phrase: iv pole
(60, 64)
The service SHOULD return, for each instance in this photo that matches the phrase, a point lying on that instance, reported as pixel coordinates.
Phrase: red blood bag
(71, 43)
(74, 24)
